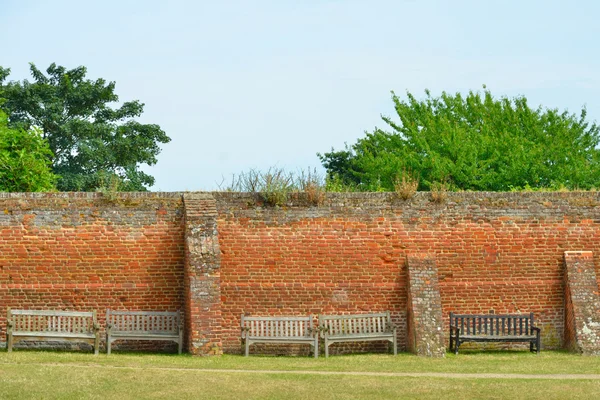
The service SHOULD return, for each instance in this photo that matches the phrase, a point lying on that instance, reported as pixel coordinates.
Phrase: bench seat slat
(57, 335)
(143, 336)
(499, 338)
(282, 338)
(355, 336)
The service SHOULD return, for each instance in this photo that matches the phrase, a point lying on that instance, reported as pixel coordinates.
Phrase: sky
(241, 85)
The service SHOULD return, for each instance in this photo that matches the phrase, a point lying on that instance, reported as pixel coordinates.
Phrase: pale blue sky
(252, 84)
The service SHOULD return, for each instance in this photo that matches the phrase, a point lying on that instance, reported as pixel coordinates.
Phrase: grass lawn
(67, 375)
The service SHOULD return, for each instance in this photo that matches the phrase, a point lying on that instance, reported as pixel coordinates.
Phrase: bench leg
(316, 348)
(395, 344)
(180, 347)
(451, 342)
(9, 343)
(107, 345)
(534, 346)
(456, 346)
(326, 348)
(247, 347)
(97, 344)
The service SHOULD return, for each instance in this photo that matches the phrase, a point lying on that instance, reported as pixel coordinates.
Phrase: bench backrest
(159, 322)
(52, 321)
(356, 324)
(279, 327)
(492, 324)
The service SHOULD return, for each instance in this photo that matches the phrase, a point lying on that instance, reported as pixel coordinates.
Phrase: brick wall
(499, 252)
(79, 251)
(493, 251)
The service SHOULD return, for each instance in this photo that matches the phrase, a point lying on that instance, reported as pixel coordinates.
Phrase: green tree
(91, 141)
(25, 164)
(473, 142)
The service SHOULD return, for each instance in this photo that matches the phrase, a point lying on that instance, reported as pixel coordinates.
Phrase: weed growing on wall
(439, 192)
(406, 185)
(109, 186)
(275, 186)
(311, 183)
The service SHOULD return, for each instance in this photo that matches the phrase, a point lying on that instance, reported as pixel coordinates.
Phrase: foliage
(335, 184)
(275, 186)
(24, 160)
(473, 142)
(89, 139)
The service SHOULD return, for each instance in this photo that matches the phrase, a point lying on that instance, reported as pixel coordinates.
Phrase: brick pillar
(202, 275)
(582, 304)
(425, 325)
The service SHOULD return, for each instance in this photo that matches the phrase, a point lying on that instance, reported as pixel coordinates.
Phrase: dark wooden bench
(144, 325)
(357, 328)
(515, 328)
(283, 330)
(40, 325)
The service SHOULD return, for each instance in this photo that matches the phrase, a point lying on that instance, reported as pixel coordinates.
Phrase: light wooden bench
(144, 325)
(284, 330)
(73, 326)
(494, 328)
(357, 328)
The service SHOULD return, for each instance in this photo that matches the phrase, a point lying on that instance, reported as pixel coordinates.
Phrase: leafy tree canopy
(90, 141)
(474, 142)
(24, 160)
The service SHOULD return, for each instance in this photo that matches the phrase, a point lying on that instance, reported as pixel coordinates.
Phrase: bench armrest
(96, 327)
(9, 324)
(454, 328)
(536, 330)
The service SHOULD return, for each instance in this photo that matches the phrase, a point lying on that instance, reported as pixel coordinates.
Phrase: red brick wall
(82, 252)
(499, 251)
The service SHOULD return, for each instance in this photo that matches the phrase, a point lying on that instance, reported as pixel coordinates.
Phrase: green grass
(68, 375)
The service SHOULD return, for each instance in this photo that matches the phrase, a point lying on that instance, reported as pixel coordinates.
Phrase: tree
(472, 143)
(25, 164)
(90, 141)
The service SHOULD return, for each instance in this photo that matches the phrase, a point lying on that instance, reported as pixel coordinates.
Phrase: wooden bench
(284, 330)
(144, 325)
(493, 328)
(357, 328)
(73, 326)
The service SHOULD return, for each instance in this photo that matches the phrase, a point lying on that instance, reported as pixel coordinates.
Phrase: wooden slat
(52, 313)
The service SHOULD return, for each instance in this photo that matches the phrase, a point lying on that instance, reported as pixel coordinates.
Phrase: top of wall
(74, 201)
(424, 199)
(576, 206)
(88, 195)
(529, 202)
